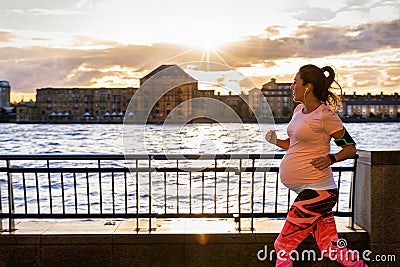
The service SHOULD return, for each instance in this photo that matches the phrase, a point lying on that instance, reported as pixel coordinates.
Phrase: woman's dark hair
(321, 83)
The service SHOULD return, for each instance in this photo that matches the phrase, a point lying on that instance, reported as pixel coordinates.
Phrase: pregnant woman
(306, 169)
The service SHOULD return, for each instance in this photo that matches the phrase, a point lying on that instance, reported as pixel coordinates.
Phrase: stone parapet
(377, 200)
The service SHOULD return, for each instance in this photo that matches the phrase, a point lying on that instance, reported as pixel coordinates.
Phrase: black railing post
(11, 204)
(353, 193)
(137, 197)
(240, 195)
(252, 195)
(177, 186)
(100, 187)
(215, 186)
(50, 193)
(150, 195)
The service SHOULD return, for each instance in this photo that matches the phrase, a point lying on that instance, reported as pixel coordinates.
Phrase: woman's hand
(271, 137)
(321, 163)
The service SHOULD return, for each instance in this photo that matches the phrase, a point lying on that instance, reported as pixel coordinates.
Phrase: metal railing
(144, 186)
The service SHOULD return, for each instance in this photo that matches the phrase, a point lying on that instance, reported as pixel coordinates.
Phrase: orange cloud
(6, 36)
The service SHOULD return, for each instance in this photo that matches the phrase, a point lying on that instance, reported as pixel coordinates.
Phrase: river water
(192, 138)
(137, 139)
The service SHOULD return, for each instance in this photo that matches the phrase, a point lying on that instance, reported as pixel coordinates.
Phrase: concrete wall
(377, 201)
(150, 249)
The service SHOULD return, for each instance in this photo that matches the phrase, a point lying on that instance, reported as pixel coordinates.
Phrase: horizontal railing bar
(163, 169)
(139, 156)
(142, 215)
(77, 215)
(154, 215)
(64, 170)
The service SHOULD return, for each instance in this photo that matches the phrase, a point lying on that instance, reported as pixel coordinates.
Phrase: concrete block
(19, 255)
(78, 239)
(203, 239)
(76, 255)
(10, 239)
(144, 238)
(148, 255)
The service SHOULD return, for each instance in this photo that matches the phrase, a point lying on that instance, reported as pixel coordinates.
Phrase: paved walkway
(159, 226)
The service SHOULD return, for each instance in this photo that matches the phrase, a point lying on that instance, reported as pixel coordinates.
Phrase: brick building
(27, 112)
(168, 89)
(277, 96)
(83, 103)
(370, 106)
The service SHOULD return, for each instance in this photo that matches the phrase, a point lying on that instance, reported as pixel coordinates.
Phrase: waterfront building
(164, 90)
(238, 103)
(277, 96)
(370, 106)
(167, 89)
(27, 112)
(280, 98)
(77, 104)
(5, 90)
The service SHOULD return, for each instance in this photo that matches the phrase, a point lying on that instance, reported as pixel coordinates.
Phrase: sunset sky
(113, 43)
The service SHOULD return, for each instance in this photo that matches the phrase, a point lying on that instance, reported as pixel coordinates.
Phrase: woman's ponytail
(322, 80)
(330, 76)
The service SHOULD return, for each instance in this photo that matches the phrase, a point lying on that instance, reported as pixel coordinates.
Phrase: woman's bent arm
(272, 139)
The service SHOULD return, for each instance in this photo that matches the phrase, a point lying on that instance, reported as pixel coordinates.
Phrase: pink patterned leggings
(312, 213)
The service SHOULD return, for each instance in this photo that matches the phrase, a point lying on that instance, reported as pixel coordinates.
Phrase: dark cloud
(27, 75)
(35, 67)
(320, 41)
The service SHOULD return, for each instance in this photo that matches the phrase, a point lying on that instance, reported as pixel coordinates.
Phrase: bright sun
(209, 41)
(208, 44)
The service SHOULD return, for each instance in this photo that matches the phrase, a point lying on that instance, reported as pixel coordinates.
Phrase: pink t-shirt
(310, 136)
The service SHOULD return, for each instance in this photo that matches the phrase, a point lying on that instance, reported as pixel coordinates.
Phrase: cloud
(40, 39)
(316, 41)
(6, 36)
(54, 12)
(34, 67)
(113, 64)
(83, 4)
(315, 14)
(82, 40)
(273, 30)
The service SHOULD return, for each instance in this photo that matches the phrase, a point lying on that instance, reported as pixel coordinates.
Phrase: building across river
(111, 104)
